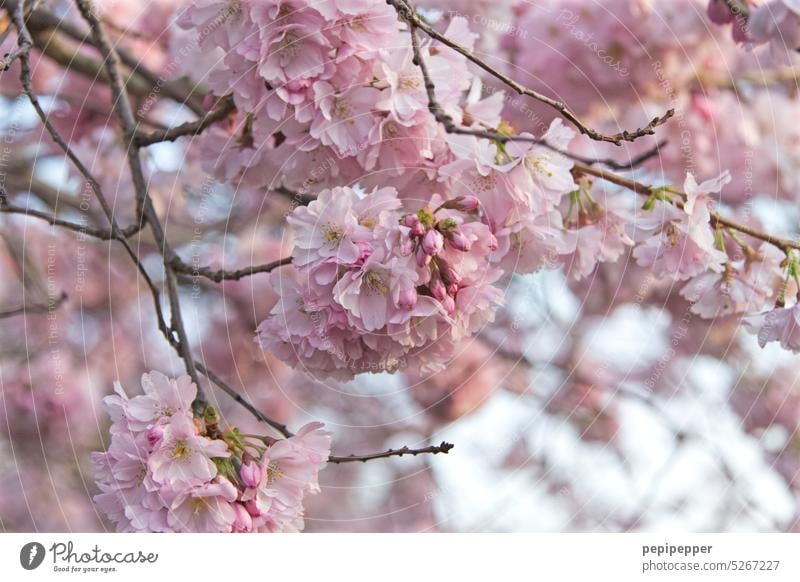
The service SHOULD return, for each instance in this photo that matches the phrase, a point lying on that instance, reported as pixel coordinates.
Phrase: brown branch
(587, 168)
(443, 448)
(225, 107)
(281, 428)
(222, 275)
(414, 21)
(98, 233)
(24, 40)
(52, 305)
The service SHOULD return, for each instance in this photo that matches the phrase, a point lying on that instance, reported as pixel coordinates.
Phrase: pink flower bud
(468, 203)
(449, 305)
(423, 258)
(433, 242)
(448, 273)
(154, 435)
(463, 203)
(452, 289)
(243, 521)
(413, 222)
(251, 474)
(408, 298)
(252, 508)
(719, 12)
(456, 238)
(437, 288)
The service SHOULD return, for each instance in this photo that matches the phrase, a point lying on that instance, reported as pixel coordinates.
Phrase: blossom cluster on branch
(167, 470)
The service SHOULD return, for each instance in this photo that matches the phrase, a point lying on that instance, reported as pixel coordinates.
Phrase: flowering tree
(393, 218)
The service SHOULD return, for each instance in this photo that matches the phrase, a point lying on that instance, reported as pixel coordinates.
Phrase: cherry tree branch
(407, 13)
(51, 305)
(443, 448)
(25, 41)
(225, 107)
(220, 275)
(716, 218)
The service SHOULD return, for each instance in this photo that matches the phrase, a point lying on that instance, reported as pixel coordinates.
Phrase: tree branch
(716, 218)
(220, 275)
(51, 305)
(443, 448)
(225, 107)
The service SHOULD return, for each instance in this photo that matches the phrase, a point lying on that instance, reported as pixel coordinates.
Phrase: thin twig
(24, 40)
(35, 308)
(225, 107)
(443, 448)
(281, 428)
(98, 233)
(220, 275)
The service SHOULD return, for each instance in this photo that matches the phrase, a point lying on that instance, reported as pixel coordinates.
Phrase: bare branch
(24, 41)
(51, 305)
(222, 275)
(225, 107)
(443, 448)
(98, 233)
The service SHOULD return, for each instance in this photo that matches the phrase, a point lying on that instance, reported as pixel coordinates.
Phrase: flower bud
(252, 508)
(251, 474)
(408, 298)
(413, 222)
(460, 242)
(449, 305)
(719, 12)
(243, 521)
(437, 288)
(423, 258)
(433, 242)
(364, 252)
(468, 203)
(463, 203)
(448, 273)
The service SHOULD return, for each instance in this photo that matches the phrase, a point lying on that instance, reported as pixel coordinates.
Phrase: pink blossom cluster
(166, 470)
(375, 287)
